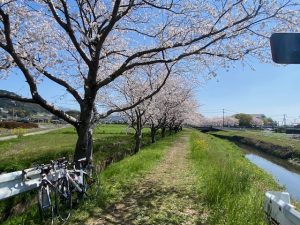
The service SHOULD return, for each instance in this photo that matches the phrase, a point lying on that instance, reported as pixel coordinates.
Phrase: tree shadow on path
(164, 196)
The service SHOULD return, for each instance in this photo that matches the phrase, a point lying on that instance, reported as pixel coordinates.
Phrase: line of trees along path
(86, 47)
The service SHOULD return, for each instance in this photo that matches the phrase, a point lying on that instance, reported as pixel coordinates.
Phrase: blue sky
(271, 89)
(49, 90)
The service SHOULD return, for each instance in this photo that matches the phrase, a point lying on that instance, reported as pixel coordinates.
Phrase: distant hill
(21, 109)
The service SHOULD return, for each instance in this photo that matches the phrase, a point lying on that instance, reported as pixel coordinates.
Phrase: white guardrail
(279, 209)
(14, 183)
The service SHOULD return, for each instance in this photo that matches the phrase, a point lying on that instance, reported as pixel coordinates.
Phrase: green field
(280, 139)
(120, 178)
(23, 152)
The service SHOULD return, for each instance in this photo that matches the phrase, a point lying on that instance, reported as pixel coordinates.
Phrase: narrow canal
(284, 173)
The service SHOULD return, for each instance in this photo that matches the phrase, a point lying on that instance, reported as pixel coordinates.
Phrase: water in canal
(286, 174)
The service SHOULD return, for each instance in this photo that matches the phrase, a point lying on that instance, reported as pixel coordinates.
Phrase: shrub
(14, 125)
(19, 131)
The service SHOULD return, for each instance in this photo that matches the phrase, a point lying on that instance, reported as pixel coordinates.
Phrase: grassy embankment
(23, 152)
(230, 186)
(277, 144)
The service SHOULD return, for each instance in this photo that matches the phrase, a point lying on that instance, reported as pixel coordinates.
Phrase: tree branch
(61, 82)
(29, 78)
(140, 54)
(17, 98)
(141, 99)
(68, 28)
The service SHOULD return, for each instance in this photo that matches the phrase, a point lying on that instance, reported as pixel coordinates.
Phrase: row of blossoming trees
(89, 48)
(228, 121)
(168, 109)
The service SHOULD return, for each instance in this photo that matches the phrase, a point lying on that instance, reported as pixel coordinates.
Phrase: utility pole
(284, 120)
(223, 117)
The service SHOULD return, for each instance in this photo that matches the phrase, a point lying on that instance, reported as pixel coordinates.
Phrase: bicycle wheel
(45, 204)
(63, 199)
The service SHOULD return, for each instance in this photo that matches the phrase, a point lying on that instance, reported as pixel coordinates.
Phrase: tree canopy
(85, 46)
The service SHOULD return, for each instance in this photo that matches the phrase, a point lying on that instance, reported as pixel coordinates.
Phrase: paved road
(8, 137)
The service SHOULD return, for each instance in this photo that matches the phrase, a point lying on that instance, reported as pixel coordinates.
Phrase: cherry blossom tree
(256, 122)
(169, 108)
(229, 121)
(195, 119)
(85, 45)
(178, 114)
(130, 89)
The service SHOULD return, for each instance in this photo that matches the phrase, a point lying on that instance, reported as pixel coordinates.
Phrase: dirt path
(164, 196)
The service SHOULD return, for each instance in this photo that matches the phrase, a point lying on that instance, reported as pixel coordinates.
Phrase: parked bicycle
(46, 192)
(63, 195)
(87, 177)
(59, 183)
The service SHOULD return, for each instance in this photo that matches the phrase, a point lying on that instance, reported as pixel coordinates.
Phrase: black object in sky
(285, 48)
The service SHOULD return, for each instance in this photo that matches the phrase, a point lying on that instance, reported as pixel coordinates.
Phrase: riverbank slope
(276, 144)
(231, 186)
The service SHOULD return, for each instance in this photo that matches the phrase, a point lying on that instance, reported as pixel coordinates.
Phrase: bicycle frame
(77, 180)
(46, 183)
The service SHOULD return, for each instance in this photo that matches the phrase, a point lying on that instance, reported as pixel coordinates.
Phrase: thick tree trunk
(163, 132)
(138, 133)
(170, 130)
(176, 129)
(153, 133)
(138, 141)
(84, 145)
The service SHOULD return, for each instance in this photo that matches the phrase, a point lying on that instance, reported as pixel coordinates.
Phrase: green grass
(23, 152)
(120, 178)
(115, 180)
(279, 139)
(231, 187)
